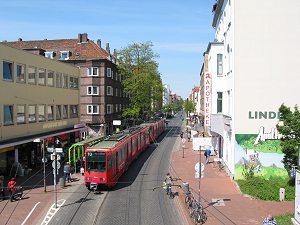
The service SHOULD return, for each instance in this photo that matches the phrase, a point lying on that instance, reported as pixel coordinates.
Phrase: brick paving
(215, 184)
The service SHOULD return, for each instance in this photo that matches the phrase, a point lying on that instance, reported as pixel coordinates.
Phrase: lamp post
(44, 163)
(200, 174)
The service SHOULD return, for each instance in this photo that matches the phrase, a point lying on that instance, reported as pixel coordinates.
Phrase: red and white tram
(106, 161)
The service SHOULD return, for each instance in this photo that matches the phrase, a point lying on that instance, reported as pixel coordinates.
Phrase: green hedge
(263, 189)
(284, 219)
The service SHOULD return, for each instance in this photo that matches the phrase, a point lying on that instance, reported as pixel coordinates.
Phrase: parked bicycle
(196, 209)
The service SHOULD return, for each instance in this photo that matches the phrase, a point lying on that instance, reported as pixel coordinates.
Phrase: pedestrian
(11, 186)
(189, 136)
(71, 172)
(168, 182)
(207, 154)
(269, 220)
(181, 135)
(67, 172)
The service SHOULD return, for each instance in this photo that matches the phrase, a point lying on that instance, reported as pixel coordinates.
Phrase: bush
(284, 219)
(263, 189)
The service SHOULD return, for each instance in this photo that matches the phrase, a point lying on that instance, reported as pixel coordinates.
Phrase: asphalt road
(132, 201)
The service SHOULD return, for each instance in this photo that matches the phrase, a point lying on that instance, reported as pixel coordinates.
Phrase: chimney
(99, 42)
(107, 47)
(82, 38)
(19, 39)
(115, 52)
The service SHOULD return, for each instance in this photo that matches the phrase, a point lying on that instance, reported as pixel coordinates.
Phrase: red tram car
(106, 161)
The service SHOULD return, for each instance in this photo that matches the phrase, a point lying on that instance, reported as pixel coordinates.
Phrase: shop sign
(207, 99)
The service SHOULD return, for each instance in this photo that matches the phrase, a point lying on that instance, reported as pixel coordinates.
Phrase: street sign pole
(44, 163)
(200, 173)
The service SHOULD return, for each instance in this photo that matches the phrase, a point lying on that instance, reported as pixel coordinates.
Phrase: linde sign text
(207, 99)
(263, 115)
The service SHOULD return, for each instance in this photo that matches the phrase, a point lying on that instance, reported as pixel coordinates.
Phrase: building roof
(79, 50)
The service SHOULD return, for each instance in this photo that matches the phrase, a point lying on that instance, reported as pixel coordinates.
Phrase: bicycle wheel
(187, 199)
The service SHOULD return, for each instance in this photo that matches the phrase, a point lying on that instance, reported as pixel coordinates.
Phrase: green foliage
(284, 219)
(265, 146)
(264, 189)
(248, 171)
(141, 79)
(189, 106)
(289, 127)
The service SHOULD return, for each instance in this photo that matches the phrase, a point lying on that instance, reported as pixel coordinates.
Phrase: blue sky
(179, 30)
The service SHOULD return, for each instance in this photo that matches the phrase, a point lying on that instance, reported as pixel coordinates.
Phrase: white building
(260, 64)
(167, 95)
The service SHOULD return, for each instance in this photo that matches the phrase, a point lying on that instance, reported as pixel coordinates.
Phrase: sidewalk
(237, 209)
(33, 207)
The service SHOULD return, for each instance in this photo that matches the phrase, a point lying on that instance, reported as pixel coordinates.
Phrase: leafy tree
(141, 79)
(189, 106)
(289, 127)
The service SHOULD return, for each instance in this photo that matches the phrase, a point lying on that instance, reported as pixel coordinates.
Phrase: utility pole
(44, 163)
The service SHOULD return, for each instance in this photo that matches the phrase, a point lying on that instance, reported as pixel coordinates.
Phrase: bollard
(62, 182)
(186, 187)
(281, 194)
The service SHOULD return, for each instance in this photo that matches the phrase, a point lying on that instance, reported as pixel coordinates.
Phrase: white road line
(30, 213)
(52, 211)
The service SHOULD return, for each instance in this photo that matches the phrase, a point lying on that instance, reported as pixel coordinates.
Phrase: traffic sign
(44, 160)
(57, 164)
(197, 167)
(58, 150)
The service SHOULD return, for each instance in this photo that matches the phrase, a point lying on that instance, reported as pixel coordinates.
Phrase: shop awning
(27, 139)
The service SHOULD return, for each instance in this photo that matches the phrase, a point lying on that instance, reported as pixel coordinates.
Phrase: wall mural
(260, 153)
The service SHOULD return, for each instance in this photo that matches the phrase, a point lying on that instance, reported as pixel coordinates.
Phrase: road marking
(30, 213)
(52, 211)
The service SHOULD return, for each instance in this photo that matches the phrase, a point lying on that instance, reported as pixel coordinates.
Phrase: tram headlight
(102, 179)
(88, 178)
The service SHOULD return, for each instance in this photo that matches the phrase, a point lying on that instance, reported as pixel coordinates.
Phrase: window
(219, 102)
(116, 92)
(108, 72)
(116, 108)
(58, 80)
(92, 90)
(110, 90)
(21, 76)
(31, 113)
(49, 55)
(58, 112)
(74, 111)
(109, 108)
(50, 112)
(65, 112)
(112, 74)
(20, 114)
(75, 83)
(93, 109)
(64, 55)
(219, 64)
(120, 107)
(31, 75)
(42, 113)
(42, 77)
(50, 80)
(7, 71)
(93, 71)
(8, 115)
(65, 81)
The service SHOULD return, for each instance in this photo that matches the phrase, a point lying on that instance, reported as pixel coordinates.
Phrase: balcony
(220, 123)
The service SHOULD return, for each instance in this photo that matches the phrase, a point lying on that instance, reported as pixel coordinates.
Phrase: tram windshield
(96, 161)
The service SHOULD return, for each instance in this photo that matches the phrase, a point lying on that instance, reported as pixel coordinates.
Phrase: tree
(189, 106)
(289, 127)
(142, 81)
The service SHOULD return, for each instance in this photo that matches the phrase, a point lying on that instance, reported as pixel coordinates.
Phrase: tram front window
(96, 161)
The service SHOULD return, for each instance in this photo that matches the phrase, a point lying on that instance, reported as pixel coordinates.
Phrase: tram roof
(89, 140)
(114, 139)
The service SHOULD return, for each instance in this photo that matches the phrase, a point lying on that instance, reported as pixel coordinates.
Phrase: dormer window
(49, 55)
(64, 55)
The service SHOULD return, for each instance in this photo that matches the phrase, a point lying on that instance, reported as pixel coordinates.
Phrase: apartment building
(102, 97)
(259, 52)
(39, 100)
